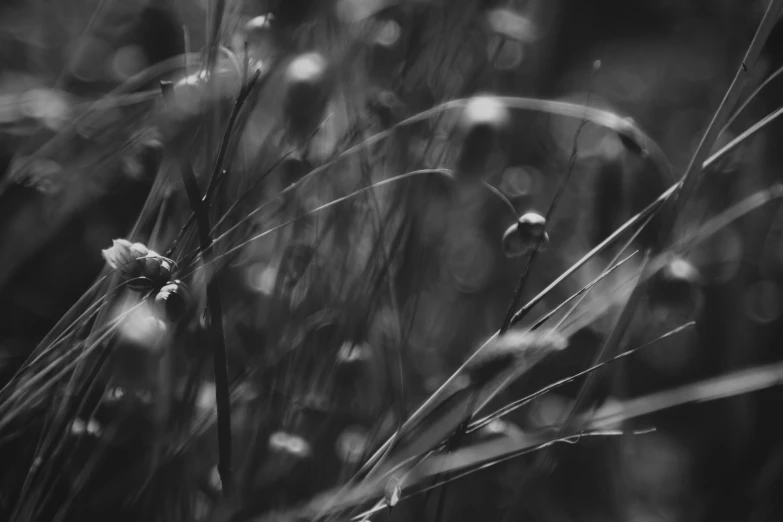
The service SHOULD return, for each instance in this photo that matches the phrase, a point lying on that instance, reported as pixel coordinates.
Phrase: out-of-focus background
(78, 106)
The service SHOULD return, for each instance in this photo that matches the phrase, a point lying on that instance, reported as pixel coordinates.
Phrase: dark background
(665, 63)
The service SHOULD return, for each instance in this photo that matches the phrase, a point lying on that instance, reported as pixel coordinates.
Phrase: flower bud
(523, 236)
(141, 268)
(172, 301)
(260, 38)
(676, 289)
(307, 93)
(483, 121)
(532, 225)
(190, 94)
(292, 168)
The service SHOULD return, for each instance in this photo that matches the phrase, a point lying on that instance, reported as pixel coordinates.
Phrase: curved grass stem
(687, 186)
(692, 173)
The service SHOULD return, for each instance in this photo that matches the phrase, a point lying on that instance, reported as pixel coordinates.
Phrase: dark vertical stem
(222, 154)
(216, 334)
(217, 168)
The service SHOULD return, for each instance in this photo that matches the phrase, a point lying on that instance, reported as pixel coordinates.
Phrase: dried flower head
(259, 34)
(524, 235)
(483, 121)
(143, 269)
(172, 300)
(307, 93)
(293, 168)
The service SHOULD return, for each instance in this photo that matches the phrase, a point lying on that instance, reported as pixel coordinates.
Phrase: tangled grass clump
(333, 199)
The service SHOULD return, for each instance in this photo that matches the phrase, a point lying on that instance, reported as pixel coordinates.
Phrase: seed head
(532, 224)
(143, 269)
(258, 26)
(292, 168)
(172, 300)
(677, 288)
(260, 37)
(523, 236)
(189, 94)
(483, 121)
(307, 93)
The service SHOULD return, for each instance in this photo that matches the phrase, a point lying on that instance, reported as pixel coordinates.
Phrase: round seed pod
(292, 168)
(352, 361)
(260, 26)
(260, 37)
(172, 300)
(676, 289)
(532, 225)
(523, 236)
(307, 93)
(483, 121)
(387, 48)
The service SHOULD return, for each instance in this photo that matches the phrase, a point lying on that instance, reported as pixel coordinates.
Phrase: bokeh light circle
(127, 61)
(289, 443)
(468, 258)
(351, 444)
(762, 302)
(520, 180)
(388, 33)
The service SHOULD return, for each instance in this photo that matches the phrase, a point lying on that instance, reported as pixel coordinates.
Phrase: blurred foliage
(338, 326)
